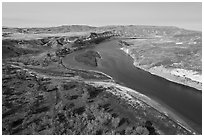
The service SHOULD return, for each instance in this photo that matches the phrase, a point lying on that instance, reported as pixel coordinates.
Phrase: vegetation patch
(88, 58)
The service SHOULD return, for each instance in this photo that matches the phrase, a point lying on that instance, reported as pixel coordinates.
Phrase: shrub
(141, 130)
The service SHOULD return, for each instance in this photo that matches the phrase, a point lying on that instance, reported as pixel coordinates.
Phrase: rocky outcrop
(95, 38)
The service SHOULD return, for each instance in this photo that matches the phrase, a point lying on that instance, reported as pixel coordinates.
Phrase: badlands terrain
(42, 95)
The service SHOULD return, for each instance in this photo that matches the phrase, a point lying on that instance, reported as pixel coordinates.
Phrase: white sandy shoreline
(162, 72)
(174, 75)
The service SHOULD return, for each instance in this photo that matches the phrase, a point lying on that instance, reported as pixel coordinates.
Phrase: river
(183, 101)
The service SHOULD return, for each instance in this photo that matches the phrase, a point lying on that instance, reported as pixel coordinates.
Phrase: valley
(78, 80)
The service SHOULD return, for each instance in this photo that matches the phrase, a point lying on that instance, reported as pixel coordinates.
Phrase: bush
(141, 130)
(115, 122)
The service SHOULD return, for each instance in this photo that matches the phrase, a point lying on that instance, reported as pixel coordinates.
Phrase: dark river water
(183, 101)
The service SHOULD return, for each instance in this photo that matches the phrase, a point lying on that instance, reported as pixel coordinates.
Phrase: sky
(184, 15)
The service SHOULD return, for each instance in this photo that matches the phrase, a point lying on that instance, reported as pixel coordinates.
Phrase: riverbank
(180, 76)
(177, 76)
(133, 97)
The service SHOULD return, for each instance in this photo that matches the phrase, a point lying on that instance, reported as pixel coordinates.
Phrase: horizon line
(46, 26)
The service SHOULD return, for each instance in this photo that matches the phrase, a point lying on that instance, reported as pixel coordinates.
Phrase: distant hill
(129, 30)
